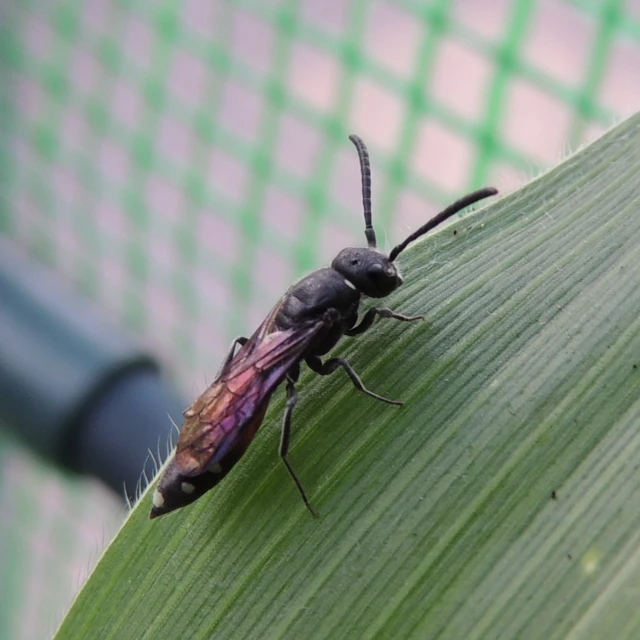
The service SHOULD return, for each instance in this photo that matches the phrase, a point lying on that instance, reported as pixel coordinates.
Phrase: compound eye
(376, 271)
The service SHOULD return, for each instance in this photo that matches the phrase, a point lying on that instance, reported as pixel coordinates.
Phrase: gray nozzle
(75, 388)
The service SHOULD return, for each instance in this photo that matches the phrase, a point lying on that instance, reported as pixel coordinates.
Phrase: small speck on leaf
(554, 495)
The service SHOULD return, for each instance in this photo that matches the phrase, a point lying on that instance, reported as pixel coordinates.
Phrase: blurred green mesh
(180, 163)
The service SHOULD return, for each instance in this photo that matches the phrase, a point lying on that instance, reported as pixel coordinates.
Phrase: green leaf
(503, 500)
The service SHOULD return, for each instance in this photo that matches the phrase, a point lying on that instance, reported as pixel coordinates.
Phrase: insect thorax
(317, 293)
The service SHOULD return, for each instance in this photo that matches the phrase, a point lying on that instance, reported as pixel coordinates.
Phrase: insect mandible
(305, 324)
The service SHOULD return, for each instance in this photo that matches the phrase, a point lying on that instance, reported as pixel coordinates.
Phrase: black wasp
(305, 324)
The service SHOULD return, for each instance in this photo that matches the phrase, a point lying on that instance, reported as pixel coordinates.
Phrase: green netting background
(180, 163)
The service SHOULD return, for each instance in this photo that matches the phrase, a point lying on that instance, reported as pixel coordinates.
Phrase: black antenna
(451, 210)
(365, 171)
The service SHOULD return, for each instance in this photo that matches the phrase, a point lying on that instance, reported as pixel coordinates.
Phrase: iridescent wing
(217, 421)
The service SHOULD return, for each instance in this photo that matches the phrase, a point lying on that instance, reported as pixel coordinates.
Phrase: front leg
(328, 367)
(370, 316)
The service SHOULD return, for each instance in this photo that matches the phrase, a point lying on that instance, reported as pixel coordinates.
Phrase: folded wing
(217, 420)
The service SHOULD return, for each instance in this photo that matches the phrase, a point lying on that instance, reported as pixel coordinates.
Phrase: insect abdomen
(176, 490)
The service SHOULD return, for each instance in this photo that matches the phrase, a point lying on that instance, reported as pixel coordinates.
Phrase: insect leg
(232, 352)
(328, 367)
(292, 399)
(370, 316)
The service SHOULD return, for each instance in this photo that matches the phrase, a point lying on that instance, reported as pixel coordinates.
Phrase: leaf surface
(503, 499)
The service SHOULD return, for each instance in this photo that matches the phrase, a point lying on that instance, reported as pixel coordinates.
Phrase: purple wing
(217, 421)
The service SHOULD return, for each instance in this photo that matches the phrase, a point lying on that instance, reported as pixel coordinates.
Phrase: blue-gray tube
(74, 387)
